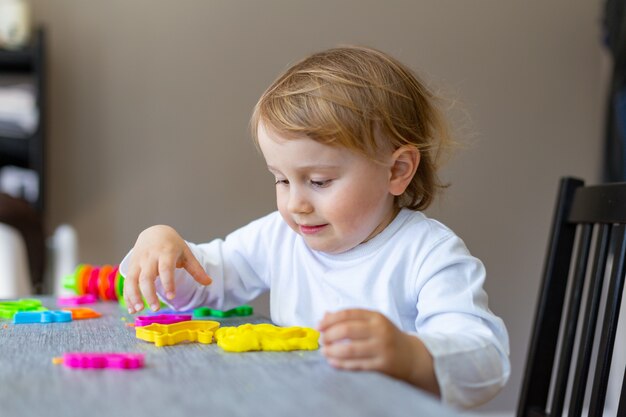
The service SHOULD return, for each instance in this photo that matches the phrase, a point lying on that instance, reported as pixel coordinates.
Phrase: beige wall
(149, 103)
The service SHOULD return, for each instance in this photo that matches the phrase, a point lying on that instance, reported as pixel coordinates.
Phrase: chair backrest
(589, 234)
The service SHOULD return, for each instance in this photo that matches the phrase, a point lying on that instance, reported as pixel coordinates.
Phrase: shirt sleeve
(235, 264)
(469, 344)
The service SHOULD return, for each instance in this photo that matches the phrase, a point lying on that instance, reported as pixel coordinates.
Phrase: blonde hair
(364, 100)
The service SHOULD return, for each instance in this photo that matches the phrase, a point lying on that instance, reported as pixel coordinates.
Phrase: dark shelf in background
(27, 152)
(21, 60)
(15, 151)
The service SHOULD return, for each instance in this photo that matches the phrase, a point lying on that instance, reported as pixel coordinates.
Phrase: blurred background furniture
(577, 314)
(22, 121)
(22, 168)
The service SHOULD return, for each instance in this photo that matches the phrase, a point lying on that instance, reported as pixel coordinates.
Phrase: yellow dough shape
(171, 334)
(264, 336)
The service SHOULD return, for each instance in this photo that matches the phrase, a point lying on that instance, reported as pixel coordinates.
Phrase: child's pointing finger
(191, 265)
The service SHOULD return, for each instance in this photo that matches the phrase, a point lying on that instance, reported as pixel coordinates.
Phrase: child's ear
(405, 161)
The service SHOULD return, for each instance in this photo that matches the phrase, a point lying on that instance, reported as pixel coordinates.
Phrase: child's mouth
(310, 230)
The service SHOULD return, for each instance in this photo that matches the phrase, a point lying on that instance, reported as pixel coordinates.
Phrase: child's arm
(159, 250)
(365, 340)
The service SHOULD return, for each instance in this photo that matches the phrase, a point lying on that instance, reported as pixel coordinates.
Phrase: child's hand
(157, 252)
(366, 340)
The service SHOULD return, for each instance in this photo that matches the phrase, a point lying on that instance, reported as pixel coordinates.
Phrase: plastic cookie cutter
(9, 308)
(248, 337)
(171, 334)
(161, 319)
(81, 313)
(167, 311)
(241, 311)
(126, 361)
(74, 300)
(53, 316)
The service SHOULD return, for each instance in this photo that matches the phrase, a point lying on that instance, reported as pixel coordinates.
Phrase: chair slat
(609, 328)
(592, 307)
(571, 320)
(540, 361)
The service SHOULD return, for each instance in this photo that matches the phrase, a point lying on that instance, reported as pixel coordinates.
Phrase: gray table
(184, 380)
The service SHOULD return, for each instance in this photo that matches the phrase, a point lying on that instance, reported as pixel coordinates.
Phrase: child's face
(334, 198)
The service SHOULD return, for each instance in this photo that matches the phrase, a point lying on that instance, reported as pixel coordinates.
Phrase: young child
(352, 138)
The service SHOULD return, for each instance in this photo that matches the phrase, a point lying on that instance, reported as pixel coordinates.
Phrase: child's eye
(282, 182)
(321, 184)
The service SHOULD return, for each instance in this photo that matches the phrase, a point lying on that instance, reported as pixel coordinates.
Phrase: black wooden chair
(569, 356)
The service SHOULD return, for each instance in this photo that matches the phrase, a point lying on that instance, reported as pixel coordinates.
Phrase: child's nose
(298, 203)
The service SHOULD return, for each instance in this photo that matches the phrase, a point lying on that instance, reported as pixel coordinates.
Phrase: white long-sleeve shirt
(416, 272)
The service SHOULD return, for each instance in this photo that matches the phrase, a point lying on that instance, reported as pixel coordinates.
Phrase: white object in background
(63, 250)
(18, 109)
(15, 24)
(14, 271)
(19, 182)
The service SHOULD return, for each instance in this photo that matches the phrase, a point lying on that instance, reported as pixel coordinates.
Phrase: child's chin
(326, 247)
